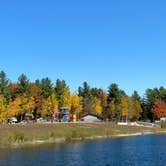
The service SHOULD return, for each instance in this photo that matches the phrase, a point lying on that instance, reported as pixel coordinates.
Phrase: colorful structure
(74, 118)
(65, 114)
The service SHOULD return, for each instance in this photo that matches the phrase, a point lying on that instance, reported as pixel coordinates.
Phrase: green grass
(10, 134)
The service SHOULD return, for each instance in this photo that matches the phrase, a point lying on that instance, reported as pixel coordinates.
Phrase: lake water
(149, 150)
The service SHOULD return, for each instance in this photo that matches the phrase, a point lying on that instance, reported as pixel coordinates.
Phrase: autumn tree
(152, 96)
(35, 92)
(49, 105)
(3, 109)
(124, 108)
(136, 106)
(14, 107)
(76, 104)
(159, 109)
(103, 99)
(111, 110)
(13, 90)
(99, 101)
(20, 106)
(97, 106)
(66, 99)
(135, 114)
(130, 108)
(27, 103)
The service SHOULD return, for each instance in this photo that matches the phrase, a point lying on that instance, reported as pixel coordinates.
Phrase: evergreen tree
(46, 87)
(4, 86)
(162, 93)
(115, 95)
(63, 94)
(95, 92)
(151, 96)
(87, 98)
(136, 96)
(23, 85)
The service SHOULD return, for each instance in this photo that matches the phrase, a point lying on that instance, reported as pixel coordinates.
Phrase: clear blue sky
(98, 41)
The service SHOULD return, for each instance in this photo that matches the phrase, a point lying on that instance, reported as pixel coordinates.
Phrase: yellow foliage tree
(66, 99)
(76, 104)
(130, 108)
(14, 108)
(97, 106)
(27, 104)
(136, 110)
(111, 109)
(49, 105)
(124, 107)
(3, 109)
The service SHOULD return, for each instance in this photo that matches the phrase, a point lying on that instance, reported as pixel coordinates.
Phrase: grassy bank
(38, 133)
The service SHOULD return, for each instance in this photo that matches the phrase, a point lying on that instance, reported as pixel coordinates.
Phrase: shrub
(17, 137)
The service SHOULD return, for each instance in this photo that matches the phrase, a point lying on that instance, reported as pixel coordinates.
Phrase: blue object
(65, 118)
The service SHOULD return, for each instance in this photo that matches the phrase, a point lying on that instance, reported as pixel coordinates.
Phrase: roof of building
(91, 114)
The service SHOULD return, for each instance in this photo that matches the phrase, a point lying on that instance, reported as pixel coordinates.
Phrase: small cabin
(89, 117)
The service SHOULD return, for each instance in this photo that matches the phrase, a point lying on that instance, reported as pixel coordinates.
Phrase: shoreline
(79, 139)
(37, 134)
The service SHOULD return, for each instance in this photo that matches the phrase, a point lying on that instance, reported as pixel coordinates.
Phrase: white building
(91, 118)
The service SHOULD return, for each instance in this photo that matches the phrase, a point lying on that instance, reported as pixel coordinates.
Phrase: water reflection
(134, 151)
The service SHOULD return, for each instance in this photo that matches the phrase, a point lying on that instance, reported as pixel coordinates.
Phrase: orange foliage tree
(159, 109)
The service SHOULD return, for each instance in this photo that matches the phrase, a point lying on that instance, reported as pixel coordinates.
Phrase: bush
(52, 135)
(17, 137)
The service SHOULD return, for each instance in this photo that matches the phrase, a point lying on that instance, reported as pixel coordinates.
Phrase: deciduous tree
(3, 109)
(76, 104)
(14, 107)
(159, 109)
(97, 106)
(49, 105)
(124, 107)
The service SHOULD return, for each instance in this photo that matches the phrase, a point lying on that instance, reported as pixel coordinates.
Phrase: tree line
(41, 98)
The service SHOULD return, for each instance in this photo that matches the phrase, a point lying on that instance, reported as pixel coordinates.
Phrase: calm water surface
(133, 151)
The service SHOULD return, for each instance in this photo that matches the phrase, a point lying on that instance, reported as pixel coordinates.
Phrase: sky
(98, 41)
